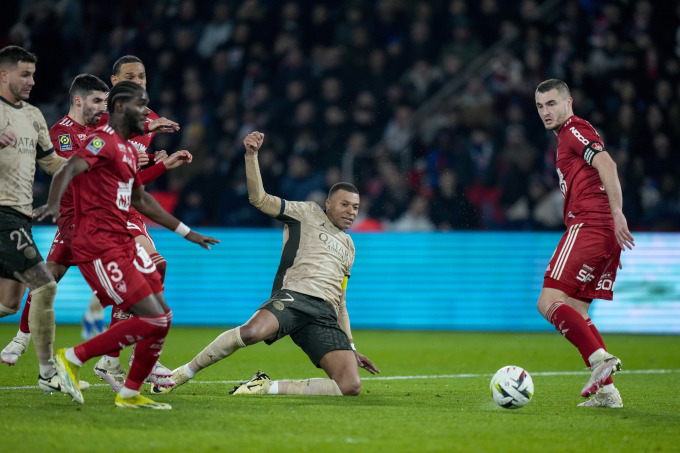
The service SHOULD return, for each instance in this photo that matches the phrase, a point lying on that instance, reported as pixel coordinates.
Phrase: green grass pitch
(433, 395)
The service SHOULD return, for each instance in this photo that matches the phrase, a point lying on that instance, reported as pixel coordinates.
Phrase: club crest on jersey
(65, 143)
(95, 145)
(121, 287)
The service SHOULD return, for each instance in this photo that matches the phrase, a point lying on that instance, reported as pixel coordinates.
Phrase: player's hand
(623, 236)
(159, 155)
(46, 210)
(365, 363)
(142, 159)
(252, 142)
(7, 138)
(203, 241)
(178, 158)
(163, 125)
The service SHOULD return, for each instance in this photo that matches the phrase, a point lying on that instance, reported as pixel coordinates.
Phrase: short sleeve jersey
(585, 200)
(103, 194)
(17, 161)
(316, 254)
(67, 136)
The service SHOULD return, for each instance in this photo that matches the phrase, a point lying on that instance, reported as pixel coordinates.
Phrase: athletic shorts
(137, 227)
(61, 252)
(123, 277)
(311, 322)
(18, 251)
(584, 263)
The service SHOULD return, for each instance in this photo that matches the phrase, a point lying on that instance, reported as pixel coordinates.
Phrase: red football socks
(23, 324)
(574, 328)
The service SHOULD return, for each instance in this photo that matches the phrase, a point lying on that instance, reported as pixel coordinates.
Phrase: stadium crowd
(337, 87)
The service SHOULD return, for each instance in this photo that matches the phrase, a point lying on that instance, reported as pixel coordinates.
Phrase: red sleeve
(152, 173)
(585, 141)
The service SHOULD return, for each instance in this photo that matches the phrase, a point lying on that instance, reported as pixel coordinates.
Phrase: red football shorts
(123, 277)
(60, 252)
(584, 263)
(137, 227)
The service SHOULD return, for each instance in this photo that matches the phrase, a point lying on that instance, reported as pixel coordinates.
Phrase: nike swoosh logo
(602, 188)
(290, 298)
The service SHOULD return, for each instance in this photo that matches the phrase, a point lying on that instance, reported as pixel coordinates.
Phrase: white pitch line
(398, 378)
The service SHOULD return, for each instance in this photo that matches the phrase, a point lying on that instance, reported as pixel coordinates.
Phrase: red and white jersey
(585, 200)
(103, 194)
(67, 136)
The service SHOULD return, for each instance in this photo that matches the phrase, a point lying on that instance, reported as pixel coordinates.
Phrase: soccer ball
(512, 387)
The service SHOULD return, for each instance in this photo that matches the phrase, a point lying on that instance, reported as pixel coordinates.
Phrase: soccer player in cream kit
(583, 266)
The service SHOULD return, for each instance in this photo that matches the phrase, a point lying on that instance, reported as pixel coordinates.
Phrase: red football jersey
(67, 136)
(103, 194)
(585, 200)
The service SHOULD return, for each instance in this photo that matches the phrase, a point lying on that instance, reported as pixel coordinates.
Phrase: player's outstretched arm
(269, 204)
(60, 181)
(606, 167)
(147, 205)
(344, 323)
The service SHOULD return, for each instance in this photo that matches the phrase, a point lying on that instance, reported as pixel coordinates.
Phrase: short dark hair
(554, 84)
(11, 55)
(124, 60)
(84, 84)
(121, 92)
(342, 186)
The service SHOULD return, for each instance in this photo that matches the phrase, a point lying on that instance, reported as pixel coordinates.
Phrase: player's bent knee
(44, 295)
(251, 334)
(350, 386)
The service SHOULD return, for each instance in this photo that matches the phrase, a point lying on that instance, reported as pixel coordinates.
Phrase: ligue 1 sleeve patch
(65, 143)
(95, 145)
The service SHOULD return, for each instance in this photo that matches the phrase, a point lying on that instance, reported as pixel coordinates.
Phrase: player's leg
(568, 289)
(138, 228)
(263, 325)
(41, 322)
(152, 325)
(19, 343)
(11, 293)
(326, 345)
(608, 395)
(339, 365)
(141, 284)
(147, 353)
(108, 368)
